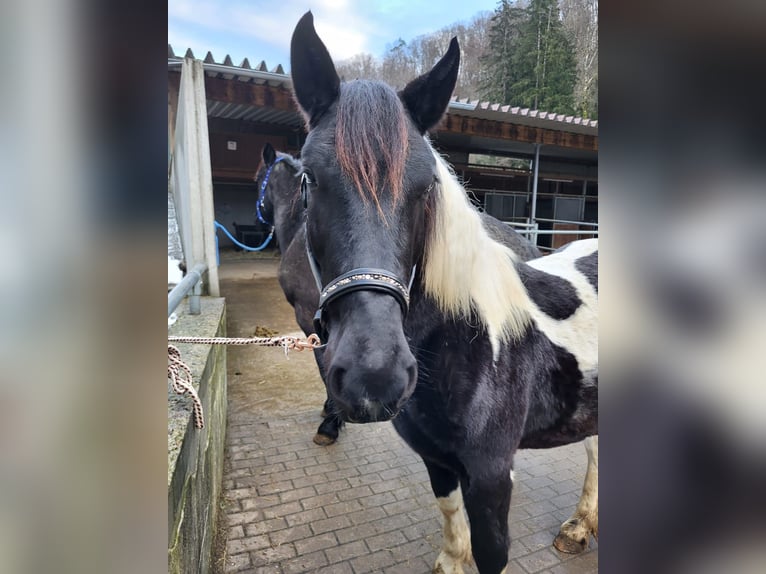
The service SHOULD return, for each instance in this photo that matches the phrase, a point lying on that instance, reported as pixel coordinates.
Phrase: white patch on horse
(466, 270)
(456, 549)
(578, 333)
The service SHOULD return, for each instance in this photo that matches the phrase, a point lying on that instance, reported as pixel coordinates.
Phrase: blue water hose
(261, 247)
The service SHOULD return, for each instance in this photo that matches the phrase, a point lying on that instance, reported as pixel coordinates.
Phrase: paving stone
(416, 565)
(374, 562)
(265, 526)
(304, 562)
(328, 524)
(272, 555)
(290, 534)
(340, 568)
(538, 560)
(388, 540)
(315, 543)
(239, 545)
(306, 517)
(282, 509)
(346, 552)
(237, 563)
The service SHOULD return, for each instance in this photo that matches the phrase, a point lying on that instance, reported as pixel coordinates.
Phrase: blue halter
(261, 195)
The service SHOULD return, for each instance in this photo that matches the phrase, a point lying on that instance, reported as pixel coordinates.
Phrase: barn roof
(471, 121)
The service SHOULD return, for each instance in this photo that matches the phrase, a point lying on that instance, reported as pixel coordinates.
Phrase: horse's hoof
(446, 564)
(324, 440)
(569, 545)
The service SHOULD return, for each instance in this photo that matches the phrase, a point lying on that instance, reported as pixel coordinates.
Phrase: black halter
(359, 279)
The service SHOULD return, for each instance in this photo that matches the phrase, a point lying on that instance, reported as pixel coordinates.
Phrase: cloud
(342, 25)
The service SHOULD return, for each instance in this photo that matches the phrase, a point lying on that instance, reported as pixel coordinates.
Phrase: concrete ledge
(195, 457)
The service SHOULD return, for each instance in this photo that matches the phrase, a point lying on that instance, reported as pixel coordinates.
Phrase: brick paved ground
(363, 504)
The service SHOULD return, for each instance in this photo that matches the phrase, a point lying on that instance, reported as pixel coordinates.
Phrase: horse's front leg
(487, 501)
(574, 535)
(328, 431)
(456, 546)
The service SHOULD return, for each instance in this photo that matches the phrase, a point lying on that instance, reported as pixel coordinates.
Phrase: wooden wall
(242, 163)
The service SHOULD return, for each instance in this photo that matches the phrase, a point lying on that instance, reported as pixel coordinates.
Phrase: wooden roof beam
(478, 127)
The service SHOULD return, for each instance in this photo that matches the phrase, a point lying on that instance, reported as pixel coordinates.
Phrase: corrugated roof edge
(459, 106)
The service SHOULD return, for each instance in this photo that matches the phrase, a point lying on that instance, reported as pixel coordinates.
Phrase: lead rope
(180, 375)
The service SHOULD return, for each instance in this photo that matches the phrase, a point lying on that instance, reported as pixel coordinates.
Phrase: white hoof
(446, 564)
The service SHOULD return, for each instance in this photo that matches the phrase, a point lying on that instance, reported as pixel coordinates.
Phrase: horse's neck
(424, 315)
(288, 218)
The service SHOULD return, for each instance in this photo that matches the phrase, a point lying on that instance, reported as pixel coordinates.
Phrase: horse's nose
(373, 390)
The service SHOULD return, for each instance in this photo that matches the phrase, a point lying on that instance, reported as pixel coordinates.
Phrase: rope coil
(180, 375)
(181, 379)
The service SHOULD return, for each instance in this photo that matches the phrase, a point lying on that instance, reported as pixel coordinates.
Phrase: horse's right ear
(269, 155)
(315, 81)
(426, 97)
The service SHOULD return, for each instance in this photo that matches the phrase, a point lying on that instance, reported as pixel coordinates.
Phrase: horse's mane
(467, 270)
(371, 138)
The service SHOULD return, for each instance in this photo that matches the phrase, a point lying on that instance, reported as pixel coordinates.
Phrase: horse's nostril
(412, 374)
(336, 378)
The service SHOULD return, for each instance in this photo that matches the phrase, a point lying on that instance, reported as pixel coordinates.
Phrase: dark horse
(427, 319)
(278, 204)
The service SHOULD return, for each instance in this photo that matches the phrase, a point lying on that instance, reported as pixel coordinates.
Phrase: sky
(261, 29)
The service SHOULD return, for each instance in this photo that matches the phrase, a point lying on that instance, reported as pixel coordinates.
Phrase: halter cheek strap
(262, 193)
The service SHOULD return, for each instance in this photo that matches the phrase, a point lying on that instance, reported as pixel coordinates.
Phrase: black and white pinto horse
(427, 319)
(279, 205)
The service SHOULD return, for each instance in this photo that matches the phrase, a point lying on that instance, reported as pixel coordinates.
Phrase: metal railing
(191, 282)
(532, 230)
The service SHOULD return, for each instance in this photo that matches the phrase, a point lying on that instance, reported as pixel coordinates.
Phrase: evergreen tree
(531, 62)
(501, 74)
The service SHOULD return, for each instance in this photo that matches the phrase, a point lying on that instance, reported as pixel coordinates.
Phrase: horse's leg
(456, 546)
(488, 500)
(328, 431)
(574, 535)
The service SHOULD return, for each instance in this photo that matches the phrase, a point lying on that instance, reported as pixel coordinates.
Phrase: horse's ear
(426, 97)
(315, 81)
(269, 155)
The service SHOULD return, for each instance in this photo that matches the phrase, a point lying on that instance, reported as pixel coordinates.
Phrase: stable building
(537, 171)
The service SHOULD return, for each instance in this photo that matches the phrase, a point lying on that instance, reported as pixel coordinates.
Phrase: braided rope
(181, 377)
(288, 343)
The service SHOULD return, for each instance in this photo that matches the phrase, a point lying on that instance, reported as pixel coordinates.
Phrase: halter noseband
(262, 193)
(359, 279)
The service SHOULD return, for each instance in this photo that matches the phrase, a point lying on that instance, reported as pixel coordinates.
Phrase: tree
(499, 62)
(580, 19)
(403, 61)
(531, 60)
(359, 66)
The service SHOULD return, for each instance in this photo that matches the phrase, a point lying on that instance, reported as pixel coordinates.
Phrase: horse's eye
(308, 177)
(306, 182)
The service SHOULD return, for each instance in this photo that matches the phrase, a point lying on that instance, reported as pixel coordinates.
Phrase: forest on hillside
(540, 54)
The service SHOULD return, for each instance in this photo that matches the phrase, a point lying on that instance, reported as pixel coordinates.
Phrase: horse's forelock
(371, 139)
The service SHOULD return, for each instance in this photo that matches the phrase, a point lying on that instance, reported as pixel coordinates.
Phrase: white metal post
(533, 208)
(192, 180)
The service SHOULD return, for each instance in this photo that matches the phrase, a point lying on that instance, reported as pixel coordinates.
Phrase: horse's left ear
(269, 155)
(426, 97)
(315, 81)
